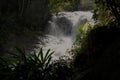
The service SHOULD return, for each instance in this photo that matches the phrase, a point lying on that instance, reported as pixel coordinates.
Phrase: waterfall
(62, 29)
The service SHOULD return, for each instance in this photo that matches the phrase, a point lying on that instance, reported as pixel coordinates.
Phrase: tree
(110, 6)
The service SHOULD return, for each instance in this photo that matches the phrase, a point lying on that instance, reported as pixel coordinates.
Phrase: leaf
(83, 27)
(21, 54)
(48, 61)
(49, 56)
(41, 55)
(47, 53)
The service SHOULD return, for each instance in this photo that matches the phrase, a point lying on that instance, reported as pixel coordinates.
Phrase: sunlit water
(62, 30)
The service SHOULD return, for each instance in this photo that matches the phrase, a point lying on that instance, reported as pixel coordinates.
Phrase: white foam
(56, 40)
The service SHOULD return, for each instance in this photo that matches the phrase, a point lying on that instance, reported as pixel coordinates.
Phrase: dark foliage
(112, 6)
(34, 67)
(102, 56)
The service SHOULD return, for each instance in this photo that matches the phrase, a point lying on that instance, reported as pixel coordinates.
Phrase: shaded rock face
(65, 25)
(15, 32)
(8, 6)
(34, 10)
(38, 12)
(105, 58)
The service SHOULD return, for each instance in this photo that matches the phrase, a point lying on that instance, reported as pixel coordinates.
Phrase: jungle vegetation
(17, 64)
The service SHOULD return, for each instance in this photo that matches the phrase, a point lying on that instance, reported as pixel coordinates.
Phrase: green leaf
(49, 56)
(41, 55)
(47, 53)
(48, 61)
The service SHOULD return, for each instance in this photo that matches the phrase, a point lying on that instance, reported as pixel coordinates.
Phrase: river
(62, 29)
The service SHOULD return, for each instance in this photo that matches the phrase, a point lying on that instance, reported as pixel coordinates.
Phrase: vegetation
(81, 46)
(33, 66)
(107, 11)
(105, 18)
(15, 20)
(56, 6)
(93, 51)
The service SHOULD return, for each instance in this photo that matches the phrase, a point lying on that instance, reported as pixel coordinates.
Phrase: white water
(62, 30)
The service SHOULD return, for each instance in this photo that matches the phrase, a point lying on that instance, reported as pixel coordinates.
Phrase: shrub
(80, 46)
(25, 67)
(34, 66)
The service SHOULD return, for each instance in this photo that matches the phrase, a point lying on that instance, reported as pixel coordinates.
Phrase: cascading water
(62, 30)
